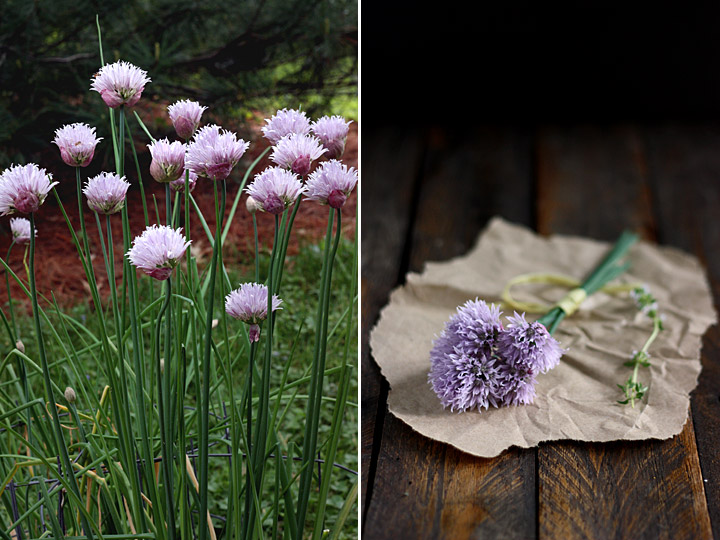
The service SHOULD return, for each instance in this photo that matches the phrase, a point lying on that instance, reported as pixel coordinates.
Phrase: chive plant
(179, 432)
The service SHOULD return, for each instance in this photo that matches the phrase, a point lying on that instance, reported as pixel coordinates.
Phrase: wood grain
(594, 181)
(425, 489)
(387, 194)
(684, 166)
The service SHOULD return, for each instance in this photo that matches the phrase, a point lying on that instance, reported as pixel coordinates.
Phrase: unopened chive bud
(252, 205)
(70, 395)
(20, 346)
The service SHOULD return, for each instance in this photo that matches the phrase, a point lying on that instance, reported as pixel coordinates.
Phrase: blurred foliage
(233, 56)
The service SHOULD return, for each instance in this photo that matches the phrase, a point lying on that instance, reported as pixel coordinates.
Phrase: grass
(292, 358)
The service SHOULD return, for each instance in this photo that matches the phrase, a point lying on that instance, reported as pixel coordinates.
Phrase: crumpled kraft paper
(578, 399)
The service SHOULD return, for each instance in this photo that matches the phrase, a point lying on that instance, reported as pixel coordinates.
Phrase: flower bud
(254, 333)
(70, 395)
(20, 346)
(252, 205)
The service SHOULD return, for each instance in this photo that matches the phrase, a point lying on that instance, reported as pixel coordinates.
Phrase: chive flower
(77, 144)
(120, 83)
(23, 188)
(284, 123)
(214, 152)
(185, 116)
(331, 183)
(296, 152)
(158, 250)
(249, 304)
(274, 189)
(332, 131)
(20, 228)
(528, 344)
(476, 363)
(464, 373)
(179, 184)
(168, 160)
(106, 193)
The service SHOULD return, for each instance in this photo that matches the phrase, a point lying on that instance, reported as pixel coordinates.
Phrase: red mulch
(58, 268)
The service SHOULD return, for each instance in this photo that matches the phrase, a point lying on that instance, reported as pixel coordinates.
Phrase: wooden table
(425, 196)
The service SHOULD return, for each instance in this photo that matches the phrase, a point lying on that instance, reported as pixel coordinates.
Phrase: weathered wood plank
(593, 181)
(684, 167)
(424, 489)
(389, 171)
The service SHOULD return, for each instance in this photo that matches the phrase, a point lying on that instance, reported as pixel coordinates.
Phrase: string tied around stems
(569, 303)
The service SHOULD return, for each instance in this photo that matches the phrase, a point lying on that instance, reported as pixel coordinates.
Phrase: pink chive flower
(214, 152)
(23, 188)
(332, 131)
(77, 144)
(179, 184)
(185, 116)
(158, 250)
(285, 122)
(168, 160)
(120, 83)
(331, 183)
(274, 189)
(249, 304)
(20, 228)
(106, 193)
(297, 152)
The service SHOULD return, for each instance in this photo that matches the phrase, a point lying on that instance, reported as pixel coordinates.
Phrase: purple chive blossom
(464, 373)
(120, 83)
(185, 116)
(332, 131)
(23, 188)
(517, 384)
(179, 184)
(274, 189)
(297, 152)
(249, 304)
(168, 160)
(476, 363)
(214, 152)
(106, 193)
(284, 123)
(331, 183)
(158, 250)
(77, 144)
(20, 228)
(528, 345)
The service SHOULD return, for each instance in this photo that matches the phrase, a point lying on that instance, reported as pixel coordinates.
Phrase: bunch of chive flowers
(476, 362)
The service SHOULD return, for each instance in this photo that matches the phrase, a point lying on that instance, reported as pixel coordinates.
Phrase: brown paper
(578, 399)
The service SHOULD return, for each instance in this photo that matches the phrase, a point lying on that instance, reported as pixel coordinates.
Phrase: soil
(58, 268)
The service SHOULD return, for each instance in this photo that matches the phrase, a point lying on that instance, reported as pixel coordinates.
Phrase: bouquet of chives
(476, 362)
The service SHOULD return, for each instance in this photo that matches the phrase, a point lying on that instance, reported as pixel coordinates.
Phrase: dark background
(239, 58)
(540, 62)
